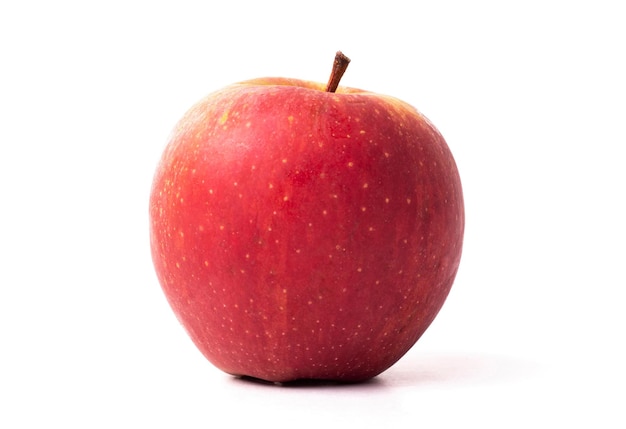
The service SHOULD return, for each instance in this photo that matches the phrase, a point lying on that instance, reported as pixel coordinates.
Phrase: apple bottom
(340, 307)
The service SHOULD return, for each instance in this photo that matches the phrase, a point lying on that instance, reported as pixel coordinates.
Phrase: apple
(303, 231)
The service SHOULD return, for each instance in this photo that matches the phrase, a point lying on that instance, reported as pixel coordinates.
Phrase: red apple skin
(303, 234)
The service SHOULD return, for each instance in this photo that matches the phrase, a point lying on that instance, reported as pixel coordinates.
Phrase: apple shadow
(308, 383)
(460, 369)
(426, 370)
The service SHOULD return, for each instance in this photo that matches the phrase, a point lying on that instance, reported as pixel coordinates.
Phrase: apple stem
(339, 68)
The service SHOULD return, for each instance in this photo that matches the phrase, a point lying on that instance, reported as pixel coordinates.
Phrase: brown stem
(339, 68)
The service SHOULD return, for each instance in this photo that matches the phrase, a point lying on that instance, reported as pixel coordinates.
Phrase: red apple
(305, 233)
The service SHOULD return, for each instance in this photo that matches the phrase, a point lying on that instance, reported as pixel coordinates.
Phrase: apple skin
(303, 234)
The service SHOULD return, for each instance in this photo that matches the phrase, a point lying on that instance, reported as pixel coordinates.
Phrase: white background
(531, 97)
